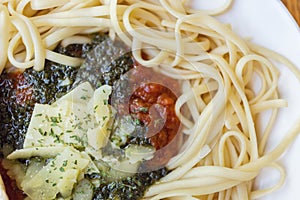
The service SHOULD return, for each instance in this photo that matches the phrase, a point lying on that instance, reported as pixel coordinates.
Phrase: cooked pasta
(223, 151)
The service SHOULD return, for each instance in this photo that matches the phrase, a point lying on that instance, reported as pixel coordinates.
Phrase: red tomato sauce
(153, 103)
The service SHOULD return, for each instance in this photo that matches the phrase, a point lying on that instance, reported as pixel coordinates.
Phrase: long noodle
(223, 151)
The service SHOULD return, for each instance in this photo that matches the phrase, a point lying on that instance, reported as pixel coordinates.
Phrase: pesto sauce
(129, 188)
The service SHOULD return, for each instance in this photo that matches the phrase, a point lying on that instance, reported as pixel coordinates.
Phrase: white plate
(268, 23)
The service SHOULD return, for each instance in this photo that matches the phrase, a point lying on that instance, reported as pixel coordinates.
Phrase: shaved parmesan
(66, 133)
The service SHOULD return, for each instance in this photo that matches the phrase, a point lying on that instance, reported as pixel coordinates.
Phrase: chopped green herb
(39, 115)
(61, 169)
(59, 117)
(54, 119)
(43, 133)
(47, 118)
(88, 116)
(105, 102)
(57, 139)
(53, 124)
(41, 141)
(104, 118)
(76, 137)
(52, 164)
(83, 97)
(65, 163)
(52, 133)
